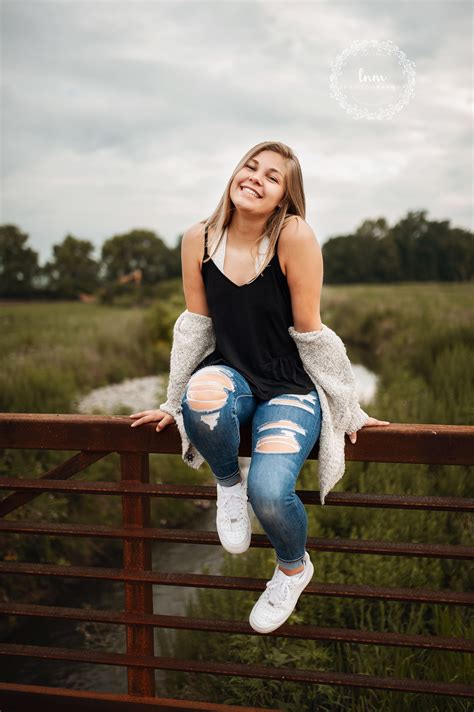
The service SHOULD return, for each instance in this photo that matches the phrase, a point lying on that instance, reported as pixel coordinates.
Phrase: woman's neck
(243, 229)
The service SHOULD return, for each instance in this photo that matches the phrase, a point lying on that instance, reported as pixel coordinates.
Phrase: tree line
(73, 272)
(414, 249)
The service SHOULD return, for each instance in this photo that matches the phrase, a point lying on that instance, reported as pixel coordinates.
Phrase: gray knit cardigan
(324, 358)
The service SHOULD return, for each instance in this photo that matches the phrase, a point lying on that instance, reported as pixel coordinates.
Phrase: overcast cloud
(120, 115)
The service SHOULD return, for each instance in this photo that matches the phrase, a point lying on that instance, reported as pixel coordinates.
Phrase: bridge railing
(95, 437)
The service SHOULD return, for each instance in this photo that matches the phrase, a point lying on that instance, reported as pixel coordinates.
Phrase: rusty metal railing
(97, 436)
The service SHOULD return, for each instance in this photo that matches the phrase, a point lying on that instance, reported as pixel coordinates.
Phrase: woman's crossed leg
(217, 400)
(285, 428)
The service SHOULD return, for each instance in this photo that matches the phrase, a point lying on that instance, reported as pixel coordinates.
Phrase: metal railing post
(137, 557)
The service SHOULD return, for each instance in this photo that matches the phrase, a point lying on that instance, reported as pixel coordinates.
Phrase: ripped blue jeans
(216, 401)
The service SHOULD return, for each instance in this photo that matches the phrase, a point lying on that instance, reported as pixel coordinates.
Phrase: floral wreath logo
(348, 87)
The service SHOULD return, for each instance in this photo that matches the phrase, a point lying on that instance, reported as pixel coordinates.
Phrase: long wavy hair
(292, 203)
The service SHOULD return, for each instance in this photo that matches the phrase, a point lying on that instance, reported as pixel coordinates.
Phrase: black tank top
(251, 326)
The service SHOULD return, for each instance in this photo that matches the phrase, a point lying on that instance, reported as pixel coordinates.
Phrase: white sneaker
(279, 599)
(232, 520)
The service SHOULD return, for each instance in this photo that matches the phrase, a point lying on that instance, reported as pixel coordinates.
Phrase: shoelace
(232, 505)
(278, 589)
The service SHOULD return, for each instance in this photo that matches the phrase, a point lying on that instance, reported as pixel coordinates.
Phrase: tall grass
(55, 351)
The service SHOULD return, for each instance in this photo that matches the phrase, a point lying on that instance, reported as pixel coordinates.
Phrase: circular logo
(372, 79)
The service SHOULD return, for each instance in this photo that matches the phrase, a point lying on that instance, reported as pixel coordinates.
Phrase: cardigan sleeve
(193, 339)
(355, 417)
(325, 359)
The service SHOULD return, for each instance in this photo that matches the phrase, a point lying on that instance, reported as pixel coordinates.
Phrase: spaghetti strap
(205, 243)
(277, 241)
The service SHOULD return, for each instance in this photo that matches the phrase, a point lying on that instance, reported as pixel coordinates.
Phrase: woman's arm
(322, 352)
(303, 261)
(193, 333)
(192, 250)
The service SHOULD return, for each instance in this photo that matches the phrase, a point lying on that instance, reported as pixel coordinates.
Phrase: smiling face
(259, 186)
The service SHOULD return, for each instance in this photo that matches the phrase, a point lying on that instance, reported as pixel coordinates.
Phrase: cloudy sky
(119, 115)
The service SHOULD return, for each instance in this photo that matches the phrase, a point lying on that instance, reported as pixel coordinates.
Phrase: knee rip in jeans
(297, 400)
(283, 441)
(206, 392)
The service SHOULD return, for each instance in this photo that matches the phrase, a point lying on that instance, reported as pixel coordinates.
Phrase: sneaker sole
(237, 549)
(269, 629)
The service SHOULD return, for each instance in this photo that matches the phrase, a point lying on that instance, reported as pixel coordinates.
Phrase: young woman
(254, 271)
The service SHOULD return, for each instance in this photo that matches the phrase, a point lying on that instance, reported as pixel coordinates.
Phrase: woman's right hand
(151, 416)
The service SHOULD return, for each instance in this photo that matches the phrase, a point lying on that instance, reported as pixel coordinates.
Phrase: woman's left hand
(371, 421)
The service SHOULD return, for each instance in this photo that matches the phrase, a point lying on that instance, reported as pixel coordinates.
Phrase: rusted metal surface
(232, 669)
(23, 697)
(397, 442)
(334, 499)
(96, 436)
(309, 632)
(189, 536)
(137, 557)
(160, 578)
(66, 469)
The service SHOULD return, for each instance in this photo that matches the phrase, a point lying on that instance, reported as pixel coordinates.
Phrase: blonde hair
(292, 203)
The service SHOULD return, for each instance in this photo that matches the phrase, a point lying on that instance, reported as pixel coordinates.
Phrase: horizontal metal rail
(309, 632)
(321, 677)
(189, 536)
(18, 698)
(422, 443)
(158, 578)
(77, 463)
(333, 499)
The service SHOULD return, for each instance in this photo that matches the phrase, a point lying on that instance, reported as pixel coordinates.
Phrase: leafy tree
(72, 270)
(138, 249)
(458, 261)
(415, 249)
(18, 264)
(337, 254)
(414, 227)
(377, 229)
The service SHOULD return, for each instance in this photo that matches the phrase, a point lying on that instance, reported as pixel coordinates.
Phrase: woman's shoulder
(295, 225)
(193, 239)
(195, 232)
(295, 230)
